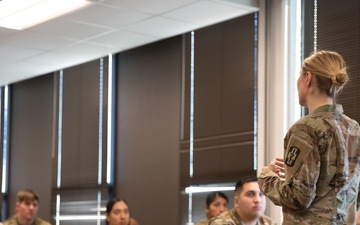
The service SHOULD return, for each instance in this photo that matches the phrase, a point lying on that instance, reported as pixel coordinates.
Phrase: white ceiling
(104, 27)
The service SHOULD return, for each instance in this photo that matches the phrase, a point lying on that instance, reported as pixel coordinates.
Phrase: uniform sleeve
(219, 221)
(302, 169)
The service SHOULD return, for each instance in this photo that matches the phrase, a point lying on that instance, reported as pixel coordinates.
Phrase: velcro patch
(291, 156)
(297, 150)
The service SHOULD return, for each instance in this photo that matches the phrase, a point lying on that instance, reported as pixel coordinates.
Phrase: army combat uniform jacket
(12, 221)
(321, 161)
(204, 221)
(231, 217)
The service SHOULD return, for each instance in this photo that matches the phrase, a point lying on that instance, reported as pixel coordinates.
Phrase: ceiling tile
(52, 59)
(85, 49)
(160, 27)
(122, 39)
(12, 52)
(153, 6)
(68, 29)
(35, 40)
(22, 70)
(5, 32)
(107, 16)
(5, 60)
(106, 26)
(210, 13)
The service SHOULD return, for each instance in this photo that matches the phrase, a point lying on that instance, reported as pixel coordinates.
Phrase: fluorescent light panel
(22, 14)
(207, 189)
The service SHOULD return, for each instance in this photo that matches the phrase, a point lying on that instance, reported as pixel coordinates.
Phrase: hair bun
(340, 78)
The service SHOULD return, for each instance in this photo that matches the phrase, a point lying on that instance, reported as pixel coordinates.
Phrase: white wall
(279, 59)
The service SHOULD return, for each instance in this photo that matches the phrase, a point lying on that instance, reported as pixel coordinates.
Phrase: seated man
(249, 206)
(26, 209)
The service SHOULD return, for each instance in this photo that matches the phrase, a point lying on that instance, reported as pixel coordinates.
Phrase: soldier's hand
(277, 166)
(279, 163)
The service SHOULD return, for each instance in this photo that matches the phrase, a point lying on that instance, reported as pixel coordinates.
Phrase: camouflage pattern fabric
(231, 217)
(204, 221)
(321, 161)
(12, 221)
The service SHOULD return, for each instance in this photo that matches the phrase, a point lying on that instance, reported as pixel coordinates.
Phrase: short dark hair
(239, 185)
(213, 195)
(112, 202)
(27, 195)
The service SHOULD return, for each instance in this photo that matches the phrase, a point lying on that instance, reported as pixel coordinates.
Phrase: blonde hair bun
(329, 69)
(340, 78)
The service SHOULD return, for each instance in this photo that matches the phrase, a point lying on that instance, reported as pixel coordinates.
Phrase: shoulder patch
(294, 156)
(291, 156)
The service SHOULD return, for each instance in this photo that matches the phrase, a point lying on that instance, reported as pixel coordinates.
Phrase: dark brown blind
(80, 125)
(338, 29)
(30, 140)
(223, 102)
(83, 144)
(223, 130)
(148, 102)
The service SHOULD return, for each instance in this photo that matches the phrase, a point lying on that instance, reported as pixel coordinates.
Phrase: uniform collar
(336, 108)
(235, 216)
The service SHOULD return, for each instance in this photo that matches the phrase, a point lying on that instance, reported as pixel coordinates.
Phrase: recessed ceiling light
(22, 14)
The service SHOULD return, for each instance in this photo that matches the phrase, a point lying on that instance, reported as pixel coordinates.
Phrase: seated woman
(216, 203)
(118, 213)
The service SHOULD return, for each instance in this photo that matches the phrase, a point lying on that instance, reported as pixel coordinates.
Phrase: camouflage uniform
(231, 217)
(321, 161)
(204, 221)
(12, 221)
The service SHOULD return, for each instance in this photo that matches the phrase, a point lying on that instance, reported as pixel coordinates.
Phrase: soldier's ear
(206, 209)
(17, 207)
(236, 199)
(308, 78)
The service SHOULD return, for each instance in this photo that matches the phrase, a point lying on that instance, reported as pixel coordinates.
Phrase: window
(80, 187)
(219, 128)
(334, 25)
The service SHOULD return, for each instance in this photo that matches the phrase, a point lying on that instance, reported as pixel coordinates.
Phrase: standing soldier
(317, 181)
